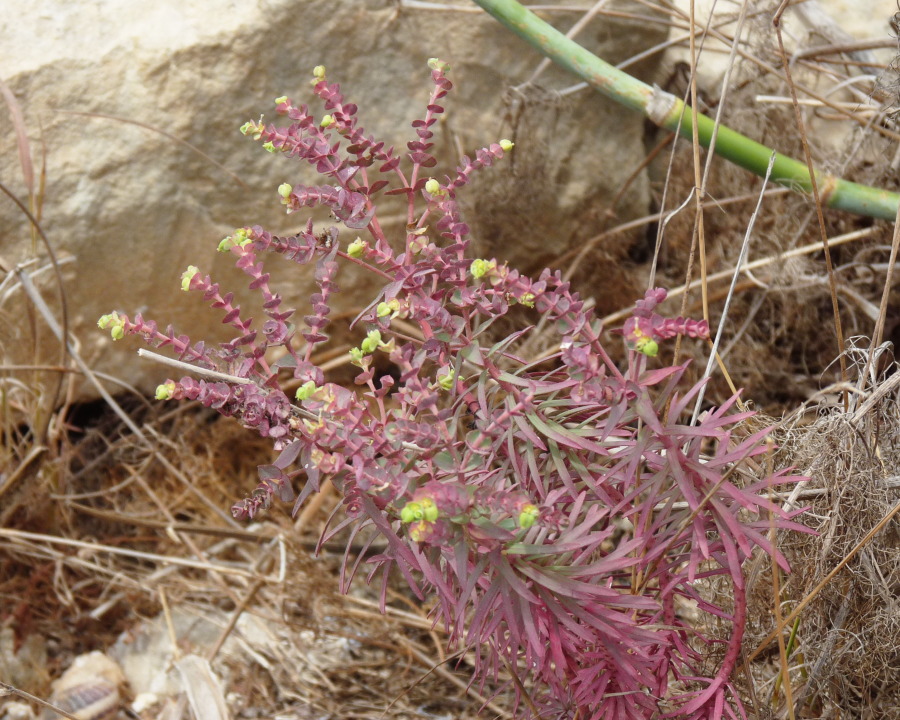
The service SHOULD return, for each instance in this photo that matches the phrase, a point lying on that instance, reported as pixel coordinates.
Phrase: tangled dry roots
(849, 635)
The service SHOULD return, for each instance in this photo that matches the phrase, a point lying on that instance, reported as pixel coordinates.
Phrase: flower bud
(507, 145)
(327, 121)
(357, 248)
(387, 308)
(187, 276)
(371, 343)
(479, 268)
(528, 516)
(356, 356)
(114, 324)
(648, 346)
(446, 379)
(433, 187)
(305, 390)
(253, 127)
(411, 512)
(285, 190)
(430, 511)
(319, 72)
(420, 510)
(239, 238)
(165, 391)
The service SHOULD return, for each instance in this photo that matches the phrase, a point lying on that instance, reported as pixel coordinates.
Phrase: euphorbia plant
(555, 509)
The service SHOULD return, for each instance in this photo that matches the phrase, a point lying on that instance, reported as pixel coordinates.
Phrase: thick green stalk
(666, 110)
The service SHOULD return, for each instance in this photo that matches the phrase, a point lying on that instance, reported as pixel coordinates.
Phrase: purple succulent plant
(555, 509)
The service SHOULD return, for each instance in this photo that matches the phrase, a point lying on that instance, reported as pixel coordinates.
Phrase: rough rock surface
(132, 208)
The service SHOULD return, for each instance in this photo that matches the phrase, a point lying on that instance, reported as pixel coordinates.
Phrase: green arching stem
(671, 113)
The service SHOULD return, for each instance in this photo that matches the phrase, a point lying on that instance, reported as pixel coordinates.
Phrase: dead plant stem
(814, 185)
(452, 678)
(235, 616)
(42, 424)
(878, 332)
(6, 688)
(137, 554)
(699, 183)
(170, 625)
(187, 367)
(620, 315)
(166, 135)
(714, 352)
(776, 602)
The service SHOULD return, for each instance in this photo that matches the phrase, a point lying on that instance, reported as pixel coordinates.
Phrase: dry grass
(103, 560)
(114, 525)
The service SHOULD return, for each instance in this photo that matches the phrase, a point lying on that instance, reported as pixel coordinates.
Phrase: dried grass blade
(18, 122)
(202, 687)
